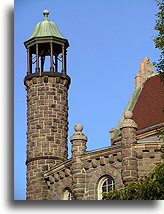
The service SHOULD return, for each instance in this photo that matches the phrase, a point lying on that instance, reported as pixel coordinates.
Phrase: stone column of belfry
(129, 161)
(78, 140)
(47, 128)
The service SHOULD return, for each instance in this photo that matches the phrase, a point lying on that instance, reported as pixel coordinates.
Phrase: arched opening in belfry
(46, 57)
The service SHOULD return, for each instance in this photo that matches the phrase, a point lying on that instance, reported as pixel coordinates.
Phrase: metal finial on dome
(46, 13)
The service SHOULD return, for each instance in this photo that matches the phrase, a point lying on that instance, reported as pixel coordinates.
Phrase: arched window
(67, 194)
(105, 185)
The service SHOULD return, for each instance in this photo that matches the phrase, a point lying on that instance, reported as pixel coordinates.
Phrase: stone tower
(47, 104)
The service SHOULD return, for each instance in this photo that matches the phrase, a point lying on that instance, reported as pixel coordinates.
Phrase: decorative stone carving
(102, 161)
(94, 163)
(78, 140)
(51, 179)
(151, 153)
(67, 172)
(119, 156)
(146, 66)
(111, 133)
(138, 80)
(139, 153)
(78, 127)
(56, 177)
(48, 183)
(78, 135)
(61, 174)
(86, 165)
(111, 159)
(128, 122)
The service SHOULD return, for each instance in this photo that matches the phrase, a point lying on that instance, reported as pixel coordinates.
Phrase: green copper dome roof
(45, 28)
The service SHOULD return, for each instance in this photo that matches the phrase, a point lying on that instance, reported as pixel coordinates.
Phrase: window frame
(101, 183)
(67, 194)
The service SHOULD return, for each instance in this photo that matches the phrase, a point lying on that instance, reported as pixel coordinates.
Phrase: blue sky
(107, 40)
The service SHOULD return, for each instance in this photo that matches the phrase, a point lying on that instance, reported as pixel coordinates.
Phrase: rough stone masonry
(47, 125)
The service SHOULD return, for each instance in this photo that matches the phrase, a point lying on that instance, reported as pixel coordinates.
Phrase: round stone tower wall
(47, 129)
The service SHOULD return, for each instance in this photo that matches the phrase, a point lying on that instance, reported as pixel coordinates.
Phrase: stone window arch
(68, 194)
(105, 184)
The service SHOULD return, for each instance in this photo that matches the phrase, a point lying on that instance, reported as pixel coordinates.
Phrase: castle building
(135, 145)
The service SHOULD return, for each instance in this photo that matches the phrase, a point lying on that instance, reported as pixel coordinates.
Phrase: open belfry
(135, 147)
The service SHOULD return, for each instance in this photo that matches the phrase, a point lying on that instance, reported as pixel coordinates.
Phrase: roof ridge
(145, 73)
(130, 105)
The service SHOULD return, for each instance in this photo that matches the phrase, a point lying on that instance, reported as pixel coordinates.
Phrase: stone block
(125, 173)
(78, 186)
(130, 167)
(78, 190)
(128, 179)
(50, 138)
(44, 168)
(132, 162)
(34, 80)
(76, 171)
(127, 152)
(81, 180)
(45, 79)
(78, 176)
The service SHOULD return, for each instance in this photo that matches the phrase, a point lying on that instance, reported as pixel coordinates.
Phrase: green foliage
(149, 188)
(159, 39)
(160, 133)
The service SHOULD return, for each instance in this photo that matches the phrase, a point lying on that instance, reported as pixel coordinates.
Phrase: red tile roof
(148, 110)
